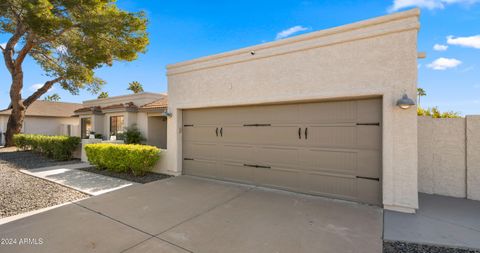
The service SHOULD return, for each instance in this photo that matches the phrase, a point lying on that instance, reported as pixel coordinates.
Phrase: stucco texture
(473, 157)
(441, 156)
(376, 57)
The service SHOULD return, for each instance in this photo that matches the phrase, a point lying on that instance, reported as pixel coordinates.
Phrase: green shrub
(135, 158)
(132, 135)
(55, 147)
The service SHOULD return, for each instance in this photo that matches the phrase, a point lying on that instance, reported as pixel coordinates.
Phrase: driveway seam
(206, 211)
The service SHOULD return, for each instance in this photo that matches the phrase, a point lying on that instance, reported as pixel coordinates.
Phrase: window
(86, 127)
(116, 127)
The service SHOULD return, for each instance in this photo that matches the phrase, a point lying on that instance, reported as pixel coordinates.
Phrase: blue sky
(182, 30)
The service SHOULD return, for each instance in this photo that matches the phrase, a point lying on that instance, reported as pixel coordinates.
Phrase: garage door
(330, 148)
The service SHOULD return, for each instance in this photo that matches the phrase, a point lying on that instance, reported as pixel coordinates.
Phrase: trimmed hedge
(55, 147)
(135, 158)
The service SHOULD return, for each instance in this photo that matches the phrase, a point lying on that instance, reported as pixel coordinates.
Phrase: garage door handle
(216, 131)
(299, 133)
(250, 165)
(221, 131)
(306, 133)
(369, 178)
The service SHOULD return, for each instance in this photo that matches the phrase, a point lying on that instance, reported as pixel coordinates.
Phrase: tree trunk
(14, 125)
(15, 121)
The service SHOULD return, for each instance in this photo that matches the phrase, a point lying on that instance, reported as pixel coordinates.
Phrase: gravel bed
(403, 247)
(21, 193)
(28, 160)
(147, 178)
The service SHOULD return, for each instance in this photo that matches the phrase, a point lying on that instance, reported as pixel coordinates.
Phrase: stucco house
(110, 116)
(45, 117)
(315, 113)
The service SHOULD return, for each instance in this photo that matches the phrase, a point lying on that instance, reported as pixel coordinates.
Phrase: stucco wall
(449, 156)
(441, 156)
(473, 157)
(374, 57)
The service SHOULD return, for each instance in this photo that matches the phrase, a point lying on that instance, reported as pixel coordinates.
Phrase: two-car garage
(324, 148)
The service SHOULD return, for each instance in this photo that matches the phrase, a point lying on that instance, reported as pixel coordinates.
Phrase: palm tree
(103, 94)
(53, 98)
(135, 86)
(420, 93)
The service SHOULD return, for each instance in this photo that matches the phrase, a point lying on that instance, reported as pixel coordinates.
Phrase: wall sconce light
(167, 114)
(405, 102)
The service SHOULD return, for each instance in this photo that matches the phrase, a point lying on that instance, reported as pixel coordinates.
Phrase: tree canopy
(135, 87)
(53, 98)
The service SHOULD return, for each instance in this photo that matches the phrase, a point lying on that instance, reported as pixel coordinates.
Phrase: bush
(434, 112)
(55, 147)
(132, 135)
(134, 158)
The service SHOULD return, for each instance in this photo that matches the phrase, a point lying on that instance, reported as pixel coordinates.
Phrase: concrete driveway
(187, 214)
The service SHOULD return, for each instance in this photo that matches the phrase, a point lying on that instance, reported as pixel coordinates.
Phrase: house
(110, 116)
(315, 113)
(44, 117)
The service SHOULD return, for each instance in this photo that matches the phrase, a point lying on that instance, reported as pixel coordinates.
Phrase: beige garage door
(329, 148)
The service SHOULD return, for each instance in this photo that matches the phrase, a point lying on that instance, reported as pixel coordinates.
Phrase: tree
(69, 40)
(53, 98)
(420, 93)
(103, 94)
(135, 87)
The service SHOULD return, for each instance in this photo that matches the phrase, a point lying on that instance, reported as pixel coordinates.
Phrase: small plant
(132, 135)
(434, 112)
(103, 94)
(134, 158)
(55, 147)
(53, 98)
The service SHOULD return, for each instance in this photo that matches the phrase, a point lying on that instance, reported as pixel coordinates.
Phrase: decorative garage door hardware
(368, 124)
(188, 159)
(369, 178)
(221, 132)
(300, 133)
(257, 166)
(256, 125)
(187, 125)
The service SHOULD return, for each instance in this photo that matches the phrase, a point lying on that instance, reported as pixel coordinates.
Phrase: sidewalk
(69, 175)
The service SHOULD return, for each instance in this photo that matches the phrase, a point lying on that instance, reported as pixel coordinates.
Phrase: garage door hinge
(256, 125)
(368, 124)
(257, 166)
(188, 159)
(369, 178)
(187, 125)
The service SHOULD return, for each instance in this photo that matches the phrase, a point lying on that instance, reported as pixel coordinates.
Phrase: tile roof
(161, 103)
(43, 108)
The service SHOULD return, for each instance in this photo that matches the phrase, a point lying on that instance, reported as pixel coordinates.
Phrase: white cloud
(290, 31)
(427, 4)
(444, 63)
(439, 47)
(61, 49)
(3, 45)
(472, 41)
(37, 86)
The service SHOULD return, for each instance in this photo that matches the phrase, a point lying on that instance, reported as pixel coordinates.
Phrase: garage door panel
(329, 184)
(338, 161)
(369, 163)
(200, 150)
(202, 168)
(369, 137)
(277, 178)
(369, 191)
(199, 133)
(329, 112)
(369, 111)
(277, 156)
(332, 136)
(236, 153)
(236, 172)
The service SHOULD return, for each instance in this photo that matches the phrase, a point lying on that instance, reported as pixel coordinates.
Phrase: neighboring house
(110, 116)
(315, 113)
(44, 117)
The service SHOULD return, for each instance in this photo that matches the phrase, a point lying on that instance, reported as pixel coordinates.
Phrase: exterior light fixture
(167, 114)
(405, 102)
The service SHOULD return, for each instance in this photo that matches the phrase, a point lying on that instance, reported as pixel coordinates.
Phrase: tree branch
(42, 90)
(24, 51)
(9, 50)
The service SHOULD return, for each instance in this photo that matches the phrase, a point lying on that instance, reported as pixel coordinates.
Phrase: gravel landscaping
(403, 247)
(21, 193)
(147, 178)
